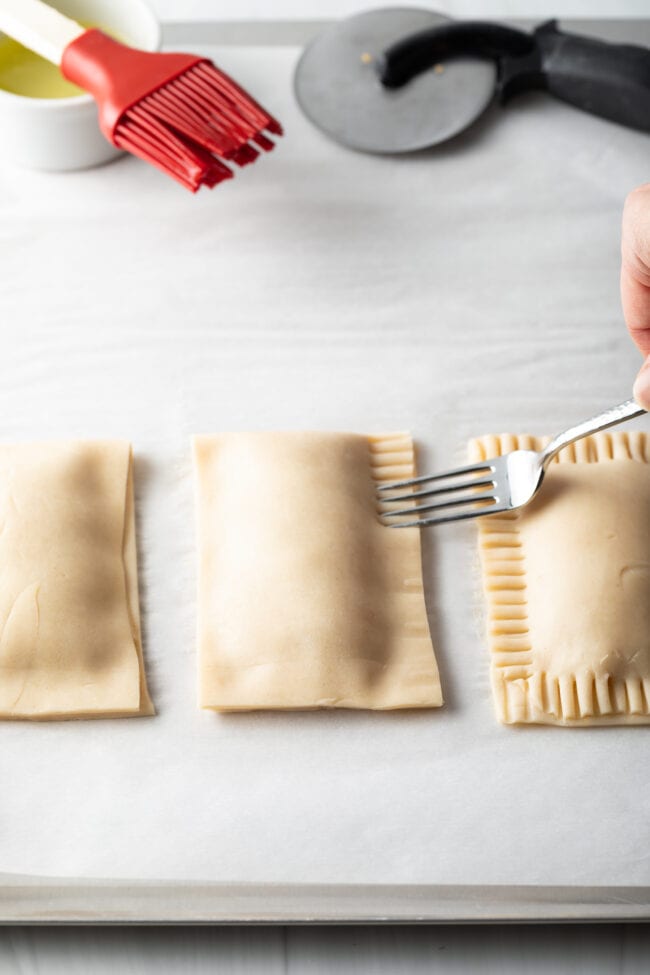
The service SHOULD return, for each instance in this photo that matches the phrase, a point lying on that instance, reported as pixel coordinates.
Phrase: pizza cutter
(401, 79)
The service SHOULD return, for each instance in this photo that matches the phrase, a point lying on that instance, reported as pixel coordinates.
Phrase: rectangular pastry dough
(69, 618)
(567, 581)
(305, 599)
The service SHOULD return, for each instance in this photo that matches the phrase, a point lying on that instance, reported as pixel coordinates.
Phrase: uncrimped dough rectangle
(567, 582)
(69, 617)
(305, 599)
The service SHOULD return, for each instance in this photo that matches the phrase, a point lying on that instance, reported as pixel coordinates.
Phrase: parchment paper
(469, 289)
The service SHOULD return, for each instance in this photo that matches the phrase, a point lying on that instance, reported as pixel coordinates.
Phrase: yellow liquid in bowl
(24, 73)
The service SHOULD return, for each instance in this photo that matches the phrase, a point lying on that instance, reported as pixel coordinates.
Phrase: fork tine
(438, 506)
(460, 486)
(458, 472)
(457, 516)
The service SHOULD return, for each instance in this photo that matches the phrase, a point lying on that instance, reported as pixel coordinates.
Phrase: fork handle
(616, 414)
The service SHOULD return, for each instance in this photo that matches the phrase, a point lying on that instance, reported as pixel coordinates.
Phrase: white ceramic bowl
(63, 133)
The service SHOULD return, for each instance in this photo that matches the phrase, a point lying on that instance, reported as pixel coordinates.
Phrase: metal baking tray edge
(34, 900)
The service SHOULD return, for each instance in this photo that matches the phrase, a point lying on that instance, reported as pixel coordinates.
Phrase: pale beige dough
(305, 599)
(567, 581)
(69, 619)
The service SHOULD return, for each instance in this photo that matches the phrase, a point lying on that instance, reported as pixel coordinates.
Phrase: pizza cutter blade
(338, 87)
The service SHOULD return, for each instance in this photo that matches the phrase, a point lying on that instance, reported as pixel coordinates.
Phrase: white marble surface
(320, 9)
(579, 950)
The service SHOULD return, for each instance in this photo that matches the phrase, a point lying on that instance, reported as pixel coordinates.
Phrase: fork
(506, 482)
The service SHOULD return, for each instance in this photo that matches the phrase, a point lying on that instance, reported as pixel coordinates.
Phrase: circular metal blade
(337, 86)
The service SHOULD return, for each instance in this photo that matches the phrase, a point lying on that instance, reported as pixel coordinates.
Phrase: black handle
(417, 52)
(609, 80)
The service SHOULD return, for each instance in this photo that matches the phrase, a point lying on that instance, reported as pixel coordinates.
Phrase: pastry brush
(176, 111)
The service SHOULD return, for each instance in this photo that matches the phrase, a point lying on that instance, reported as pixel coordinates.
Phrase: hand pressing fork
(492, 486)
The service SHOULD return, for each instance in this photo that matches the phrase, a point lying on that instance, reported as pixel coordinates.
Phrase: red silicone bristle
(169, 107)
(248, 107)
(264, 142)
(192, 165)
(190, 126)
(244, 155)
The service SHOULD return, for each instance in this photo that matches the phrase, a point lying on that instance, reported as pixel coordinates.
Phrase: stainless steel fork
(492, 486)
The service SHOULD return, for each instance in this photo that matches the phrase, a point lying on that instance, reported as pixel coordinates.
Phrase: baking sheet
(469, 289)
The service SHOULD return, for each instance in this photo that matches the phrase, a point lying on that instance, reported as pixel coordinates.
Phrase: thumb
(641, 389)
(635, 266)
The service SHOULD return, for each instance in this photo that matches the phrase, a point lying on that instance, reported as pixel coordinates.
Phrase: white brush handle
(39, 27)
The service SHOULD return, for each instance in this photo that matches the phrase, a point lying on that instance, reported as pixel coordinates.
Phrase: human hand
(635, 282)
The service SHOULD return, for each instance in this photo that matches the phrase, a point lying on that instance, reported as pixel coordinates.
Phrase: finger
(641, 391)
(635, 266)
